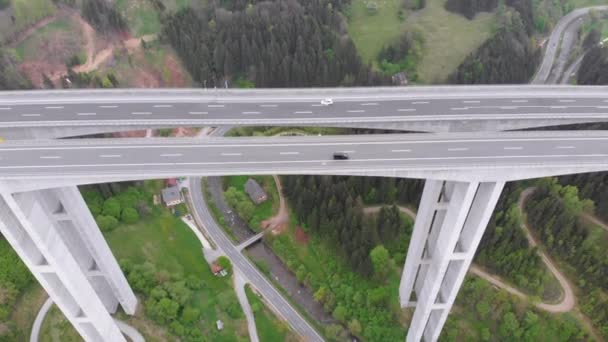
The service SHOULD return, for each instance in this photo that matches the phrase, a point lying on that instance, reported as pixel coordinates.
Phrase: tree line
(554, 212)
(499, 316)
(332, 207)
(592, 186)
(504, 248)
(282, 43)
(594, 67)
(104, 16)
(125, 206)
(10, 77)
(508, 57)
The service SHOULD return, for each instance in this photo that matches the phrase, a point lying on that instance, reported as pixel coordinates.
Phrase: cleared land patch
(371, 32)
(448, 39)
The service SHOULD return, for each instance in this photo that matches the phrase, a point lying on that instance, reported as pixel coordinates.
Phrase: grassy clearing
(264, 210)
(165, 241)
(56, 328)
(269, 327)
(448, 39)
(155, 66)
(141, 16)
(27, 12)
(61, 30)
(272, 131)
(26, 309)
(371, 32)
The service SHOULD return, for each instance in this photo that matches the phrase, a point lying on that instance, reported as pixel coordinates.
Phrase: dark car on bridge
(340, 156)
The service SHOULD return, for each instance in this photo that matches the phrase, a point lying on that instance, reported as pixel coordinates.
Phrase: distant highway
(353, 107)
(369, 154)
(565, 29)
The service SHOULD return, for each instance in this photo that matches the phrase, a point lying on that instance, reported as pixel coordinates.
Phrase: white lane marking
(455, 149)
(567, 101)
(397, 151)
(5, 108)
(519, 101)
(557, 139)
(304, 112)
(406, 110)
(508, 107)
(198, 113)
(420, 102)
(86, 114)
(558, 107)
(564, 147)
(269, 106)
(54, 107)
(471, 101)
(251, 113)
(108, 106)
(316, 105)
(171, 155)
(163, 106)
(459, 108)
(231, 154)
(289, 153)
(349, 151)
(369, 104)
(30, 115)
(513, 148)
(216, 106)
(356, 111)
(50, 157)
(141, 113)
(110, 156)
(602, 107)
(536, 156)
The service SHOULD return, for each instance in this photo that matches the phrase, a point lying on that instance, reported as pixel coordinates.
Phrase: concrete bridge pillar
(56, 236)
(450, 222)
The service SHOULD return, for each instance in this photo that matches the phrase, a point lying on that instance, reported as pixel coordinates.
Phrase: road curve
(126, 329)
(240, 262)
(553, 45)
(569, 300)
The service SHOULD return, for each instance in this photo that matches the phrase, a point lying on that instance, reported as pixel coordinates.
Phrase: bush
(111, 207)
(224, 262)
(129, 215)
(106, 223)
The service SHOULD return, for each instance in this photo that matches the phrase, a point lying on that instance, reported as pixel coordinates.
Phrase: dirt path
(96, 59)
(595, 220)
(282, 217)
(565, 305)
(23, 35)
(376, 208)
(569, 300)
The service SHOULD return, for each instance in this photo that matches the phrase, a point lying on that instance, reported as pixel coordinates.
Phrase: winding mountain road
(561, 41)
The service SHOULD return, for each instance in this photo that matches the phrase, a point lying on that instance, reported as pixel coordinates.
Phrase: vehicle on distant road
(327, 102)
(340, 156)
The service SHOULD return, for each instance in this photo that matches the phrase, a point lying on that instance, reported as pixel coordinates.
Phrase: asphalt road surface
(564, 29)
(298, 106)
(293, 155)
(271, 295)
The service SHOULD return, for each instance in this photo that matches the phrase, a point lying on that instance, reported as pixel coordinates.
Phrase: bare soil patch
(301, 236)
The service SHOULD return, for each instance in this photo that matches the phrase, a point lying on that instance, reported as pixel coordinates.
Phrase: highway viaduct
(46, 220)
(56, 114)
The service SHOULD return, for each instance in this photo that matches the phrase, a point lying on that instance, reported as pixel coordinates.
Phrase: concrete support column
(451, 219)
(54, 234)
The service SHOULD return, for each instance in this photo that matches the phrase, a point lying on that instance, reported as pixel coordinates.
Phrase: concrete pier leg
(451, 220)
(55, 235)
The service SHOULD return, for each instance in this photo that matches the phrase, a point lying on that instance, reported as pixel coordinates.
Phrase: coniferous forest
(271, 44)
